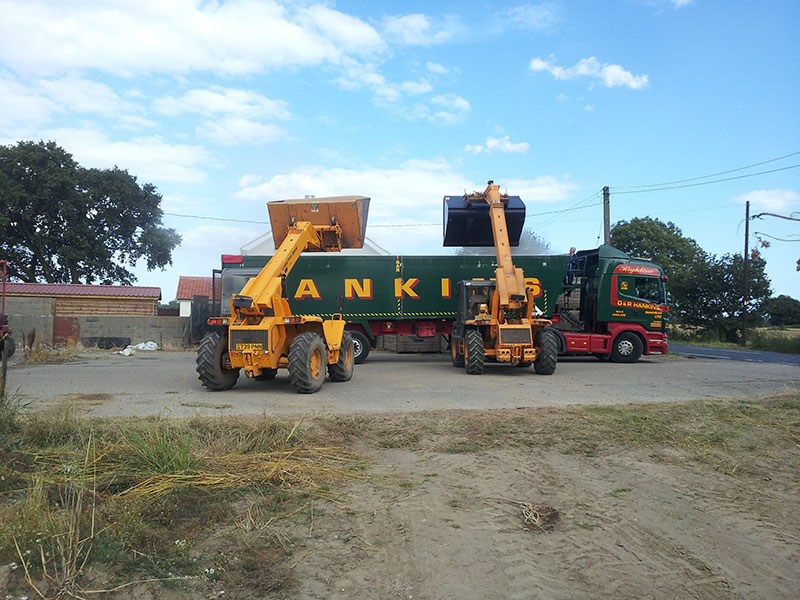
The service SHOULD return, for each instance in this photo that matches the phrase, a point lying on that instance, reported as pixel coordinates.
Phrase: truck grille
(516, 335)
(249, 339)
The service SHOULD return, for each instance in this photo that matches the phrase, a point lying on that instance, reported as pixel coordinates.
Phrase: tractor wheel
(266, 375)
(342, 370)
(474, 358)
(627, 348)
(545, 363)
(456, 354)
(307, 359)
(361, 347)
(213, 364)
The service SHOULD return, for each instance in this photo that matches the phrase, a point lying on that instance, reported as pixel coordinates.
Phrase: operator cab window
(650, 289)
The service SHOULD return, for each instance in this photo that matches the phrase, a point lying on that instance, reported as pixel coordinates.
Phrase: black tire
(342, 370)
(266, 375)
(474, 359)
(212, 355)
(456, 354)
(626, 348)
(10, 346)
(547, 343)
(307, 359)
(361, 347)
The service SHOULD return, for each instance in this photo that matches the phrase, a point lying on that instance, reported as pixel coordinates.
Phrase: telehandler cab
(495, 320)
(261, 335)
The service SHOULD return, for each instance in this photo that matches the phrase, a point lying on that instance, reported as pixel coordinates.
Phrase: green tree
(62, 223)
(783, 310)
(725, 294)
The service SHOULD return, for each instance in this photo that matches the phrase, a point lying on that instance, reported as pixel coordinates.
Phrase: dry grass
(34, 351)
(120, 493)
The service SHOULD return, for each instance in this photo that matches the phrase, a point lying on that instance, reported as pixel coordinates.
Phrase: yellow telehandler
(262, 335)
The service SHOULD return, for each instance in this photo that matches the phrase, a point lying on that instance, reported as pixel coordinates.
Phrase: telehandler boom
(496, 320)
(262, 335)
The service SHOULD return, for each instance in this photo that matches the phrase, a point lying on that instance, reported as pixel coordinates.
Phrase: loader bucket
(350, 212)
(468, 224)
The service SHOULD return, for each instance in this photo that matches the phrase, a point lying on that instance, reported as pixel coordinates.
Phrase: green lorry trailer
(602, 302)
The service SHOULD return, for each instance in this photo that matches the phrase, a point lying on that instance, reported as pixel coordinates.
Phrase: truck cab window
(650, 289)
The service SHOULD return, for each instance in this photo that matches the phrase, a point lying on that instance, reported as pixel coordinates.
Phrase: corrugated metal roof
(73, 289)
(189, 287)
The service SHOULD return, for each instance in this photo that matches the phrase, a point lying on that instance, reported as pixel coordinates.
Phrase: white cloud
(770, 200)
(128, 37)
(610, 75)
(589, 108)
(222, 100)
(410, 193)
(457, 109)
(503, 144)
(84, 96)
(537, 17)
(237, 130)
(419, 30)
(150, 158)
(436, 68)
(28, 106)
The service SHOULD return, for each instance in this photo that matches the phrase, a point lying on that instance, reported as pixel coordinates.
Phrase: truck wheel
(474, 358)
(307, 359)
(266, 375)
(455, 354)
(343, 369)
(212, 358)
(627, 348)
(361, 347)
(545, 363)
(10, 346)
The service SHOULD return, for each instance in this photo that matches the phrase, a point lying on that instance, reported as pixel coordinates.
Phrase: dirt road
(152, 383)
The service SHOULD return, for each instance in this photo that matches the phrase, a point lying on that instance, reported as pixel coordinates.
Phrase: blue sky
(227, 105)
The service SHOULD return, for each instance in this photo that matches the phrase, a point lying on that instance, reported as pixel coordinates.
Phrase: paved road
(759, 356)
(153, 383)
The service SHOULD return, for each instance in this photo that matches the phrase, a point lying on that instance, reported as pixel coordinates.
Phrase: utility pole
(606, 217)
(746, 272)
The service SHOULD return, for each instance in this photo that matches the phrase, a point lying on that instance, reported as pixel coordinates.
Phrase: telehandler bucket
(349, 212)
(468, 223)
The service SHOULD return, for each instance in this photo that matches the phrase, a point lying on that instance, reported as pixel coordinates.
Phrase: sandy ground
(165, 383)
(631, 526)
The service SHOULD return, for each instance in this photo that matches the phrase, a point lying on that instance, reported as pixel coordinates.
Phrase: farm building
(64, 313)
(188, 288)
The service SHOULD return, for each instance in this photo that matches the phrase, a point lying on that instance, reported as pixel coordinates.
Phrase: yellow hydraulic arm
(262, 295)
(510, 280)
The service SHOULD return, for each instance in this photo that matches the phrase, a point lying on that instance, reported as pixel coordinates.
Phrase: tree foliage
(783, 310)
(704, 290)
(63, 223)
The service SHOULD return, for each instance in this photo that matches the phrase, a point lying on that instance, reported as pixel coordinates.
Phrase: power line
(216, 219)
(773, 237)
(758, 164)
(675, 187)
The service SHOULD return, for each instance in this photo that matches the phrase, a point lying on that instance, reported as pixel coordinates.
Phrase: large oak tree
(63, 223)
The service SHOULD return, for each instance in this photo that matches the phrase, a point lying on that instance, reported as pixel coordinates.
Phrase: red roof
(189, 287)
(77, 289)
